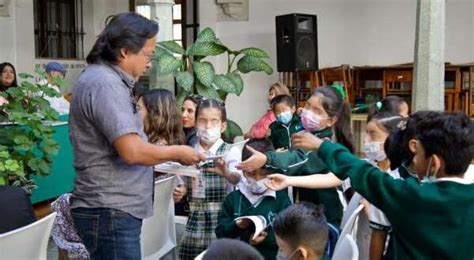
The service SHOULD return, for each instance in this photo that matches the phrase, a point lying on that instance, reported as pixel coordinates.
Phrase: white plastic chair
(351, 207)
(347, 250)
(28, 242)
(348, 228)
(158, 235)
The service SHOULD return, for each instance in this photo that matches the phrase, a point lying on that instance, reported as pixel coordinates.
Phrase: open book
(259, 222)
(177, 168)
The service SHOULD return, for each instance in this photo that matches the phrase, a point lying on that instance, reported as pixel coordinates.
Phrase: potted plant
(26, 136)
(195, 75)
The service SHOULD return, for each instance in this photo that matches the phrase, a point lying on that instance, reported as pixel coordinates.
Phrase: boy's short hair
(231, 249)
(262, 145)
(303, 224)
(288, 100)
(450, 136)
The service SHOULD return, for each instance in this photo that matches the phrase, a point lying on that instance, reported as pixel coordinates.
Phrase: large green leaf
(207, 92)
(248, 64)
(172, 46)
(185, 80)
(238, 82)
(204, 72)
(181, 96)
(205, 49)
(206, 35)
(233, 130)
(224, 83)
(160, 52)
(254, 52)
(25, 75)
(168, 64)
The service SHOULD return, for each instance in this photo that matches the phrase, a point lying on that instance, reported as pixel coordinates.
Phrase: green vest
(281, 134)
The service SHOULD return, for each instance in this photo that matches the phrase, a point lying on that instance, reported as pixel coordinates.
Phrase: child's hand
(277, 182)
(259, 239)
(256, 161)
(178, 193)
(305, 140)
(220, 167)
(243, 223)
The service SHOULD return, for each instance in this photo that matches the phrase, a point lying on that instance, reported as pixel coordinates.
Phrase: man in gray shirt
(114, 181)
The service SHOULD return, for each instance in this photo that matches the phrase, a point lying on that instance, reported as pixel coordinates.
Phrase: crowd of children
(419, 205)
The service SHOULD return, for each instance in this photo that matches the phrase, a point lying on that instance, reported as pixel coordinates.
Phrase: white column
(428, 83)
(162, 12)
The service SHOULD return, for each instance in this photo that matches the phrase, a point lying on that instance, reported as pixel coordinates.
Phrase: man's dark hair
(262, 145)
(234, 249)
(450, 136)
(124, 31)
(287, 100)
(302, 224)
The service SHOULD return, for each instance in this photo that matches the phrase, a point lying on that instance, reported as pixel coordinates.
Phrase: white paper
(177, 168)
(259, 222)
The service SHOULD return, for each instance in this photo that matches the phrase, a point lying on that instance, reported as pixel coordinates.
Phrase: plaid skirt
(200, 230)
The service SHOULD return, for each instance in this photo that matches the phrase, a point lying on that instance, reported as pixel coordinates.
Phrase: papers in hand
(177, 168)
(240, 144)
(259, 222)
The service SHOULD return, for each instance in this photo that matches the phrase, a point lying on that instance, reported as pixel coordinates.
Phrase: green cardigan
(281, 134)
(303, 162)
(430, 220)
(237, 205)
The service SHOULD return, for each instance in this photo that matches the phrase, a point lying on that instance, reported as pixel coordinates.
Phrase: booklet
(259, 222)
(177, 168)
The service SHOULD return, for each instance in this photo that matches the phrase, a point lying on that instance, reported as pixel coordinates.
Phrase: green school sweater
(303, 162)
(281, 134)
(432, 220)
(237, 205)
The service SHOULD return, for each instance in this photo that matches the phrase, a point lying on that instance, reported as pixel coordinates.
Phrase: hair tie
(402, 125)
(339, 88)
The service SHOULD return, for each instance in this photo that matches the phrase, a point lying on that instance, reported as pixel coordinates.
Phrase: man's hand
(189, 156)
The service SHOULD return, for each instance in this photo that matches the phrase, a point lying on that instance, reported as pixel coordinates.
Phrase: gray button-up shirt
(102, 110)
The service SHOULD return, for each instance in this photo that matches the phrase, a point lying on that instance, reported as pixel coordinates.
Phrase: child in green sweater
(252, 198)
(287, 122)
(431, 219)
(326, 115)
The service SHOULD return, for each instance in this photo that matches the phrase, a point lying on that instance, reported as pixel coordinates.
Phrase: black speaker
(297, 42)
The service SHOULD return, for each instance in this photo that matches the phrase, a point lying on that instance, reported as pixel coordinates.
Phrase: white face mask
(374, 152)
(208, 136)
(256, 187)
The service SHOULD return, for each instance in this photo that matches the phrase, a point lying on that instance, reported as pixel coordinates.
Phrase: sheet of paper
(177, 168)
(259, 222)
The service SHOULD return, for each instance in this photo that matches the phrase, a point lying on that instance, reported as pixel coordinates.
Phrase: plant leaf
(185, 80)
(207, 92)
(232, 130)
(25, 75)
(206, 35)
(168, 64)
(172, 46)
(248, 64)
(181, 96)
(238, 82)
(254, 52)
(204, 72)
(160, 52)
(224, 83)
(205, 49)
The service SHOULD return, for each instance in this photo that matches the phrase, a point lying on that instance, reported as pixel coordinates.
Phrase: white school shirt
(60, 104)
(232, 157)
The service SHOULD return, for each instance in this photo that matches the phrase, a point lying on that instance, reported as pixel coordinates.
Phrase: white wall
(19, 49)
(356, 32)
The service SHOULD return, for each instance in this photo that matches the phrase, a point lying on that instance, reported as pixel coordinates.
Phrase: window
(59, 31)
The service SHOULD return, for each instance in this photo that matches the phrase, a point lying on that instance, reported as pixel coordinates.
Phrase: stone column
(428, 83)
(162, 12)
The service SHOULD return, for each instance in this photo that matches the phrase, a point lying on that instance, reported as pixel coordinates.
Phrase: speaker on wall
(297, 42)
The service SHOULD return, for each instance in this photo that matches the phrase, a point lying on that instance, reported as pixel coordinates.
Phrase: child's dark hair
(139, 90)
(262, 145)
(302, 224)
(388, 121)
(287, 100)
(389, 104)
(396, 145)
(450, 136)
(335, 106)
(212, 103)
(226, 248)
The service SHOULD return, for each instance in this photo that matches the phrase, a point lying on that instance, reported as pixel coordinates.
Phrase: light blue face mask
(428, 177)
(285, 117)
